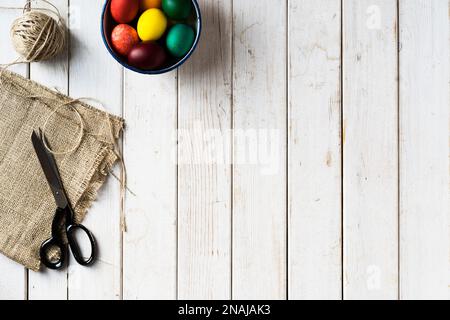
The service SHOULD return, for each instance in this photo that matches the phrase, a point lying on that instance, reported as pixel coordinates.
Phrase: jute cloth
(27, 205)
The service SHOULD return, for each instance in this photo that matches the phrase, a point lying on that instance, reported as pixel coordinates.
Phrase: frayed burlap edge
(97, 177)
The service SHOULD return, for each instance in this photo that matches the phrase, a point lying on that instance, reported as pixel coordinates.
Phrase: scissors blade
(50, 170)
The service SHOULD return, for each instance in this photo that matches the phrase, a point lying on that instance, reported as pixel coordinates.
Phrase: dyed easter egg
(151, 25)
(180, 39)
(124, 11)
(177, 9)
(147, 56)
(123, 38)
(148, 4)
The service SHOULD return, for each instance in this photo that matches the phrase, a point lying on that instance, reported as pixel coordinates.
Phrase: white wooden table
(312, 152)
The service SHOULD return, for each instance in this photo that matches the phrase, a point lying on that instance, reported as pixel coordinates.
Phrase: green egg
(180, 39)
(177, 9)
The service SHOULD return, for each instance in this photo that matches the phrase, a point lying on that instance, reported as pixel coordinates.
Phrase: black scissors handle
(55, 261)
(76, 252)
(53, 251)
(56, 242)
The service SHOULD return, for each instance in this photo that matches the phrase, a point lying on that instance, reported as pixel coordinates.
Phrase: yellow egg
(151, 25)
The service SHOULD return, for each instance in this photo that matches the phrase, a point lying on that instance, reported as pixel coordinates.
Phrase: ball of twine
(37, 36)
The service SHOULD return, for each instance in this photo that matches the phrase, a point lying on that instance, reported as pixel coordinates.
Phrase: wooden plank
(150, 243)
(13, 277)
(259, 177)
(94, 73)
(204, 201)
(315, 149)
(50, 285)
(424, 157)
(15, 5)
(370, 176)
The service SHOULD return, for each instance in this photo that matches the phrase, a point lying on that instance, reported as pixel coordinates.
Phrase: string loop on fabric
(80, 135)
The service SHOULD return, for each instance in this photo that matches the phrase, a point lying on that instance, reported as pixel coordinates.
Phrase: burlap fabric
(27, 206)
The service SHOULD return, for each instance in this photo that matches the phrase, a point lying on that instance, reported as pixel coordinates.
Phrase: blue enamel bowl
(108, 24)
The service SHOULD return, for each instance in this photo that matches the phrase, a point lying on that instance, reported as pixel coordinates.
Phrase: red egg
(147, 56)
(124, 11)
(124, 38)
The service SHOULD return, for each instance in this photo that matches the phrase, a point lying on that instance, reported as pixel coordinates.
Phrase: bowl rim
(159, 71)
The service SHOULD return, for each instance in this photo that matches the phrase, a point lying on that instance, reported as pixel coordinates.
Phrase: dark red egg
(147, 56)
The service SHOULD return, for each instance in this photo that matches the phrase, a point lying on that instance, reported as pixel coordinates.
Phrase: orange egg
(124, 38)
(149, 4)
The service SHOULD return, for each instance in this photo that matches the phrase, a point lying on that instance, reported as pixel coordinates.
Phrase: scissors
(63, 225)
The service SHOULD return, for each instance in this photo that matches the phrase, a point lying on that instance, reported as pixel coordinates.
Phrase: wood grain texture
(259, 176)
(255, 212)
(315, 149)
(424, 156)
(150, 243)
(370, 176)
(204, 175)
(51, 285)
(13, 277)
(94, 73)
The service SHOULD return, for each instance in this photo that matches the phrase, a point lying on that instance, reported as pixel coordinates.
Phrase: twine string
(36, 35)
(80, 135)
